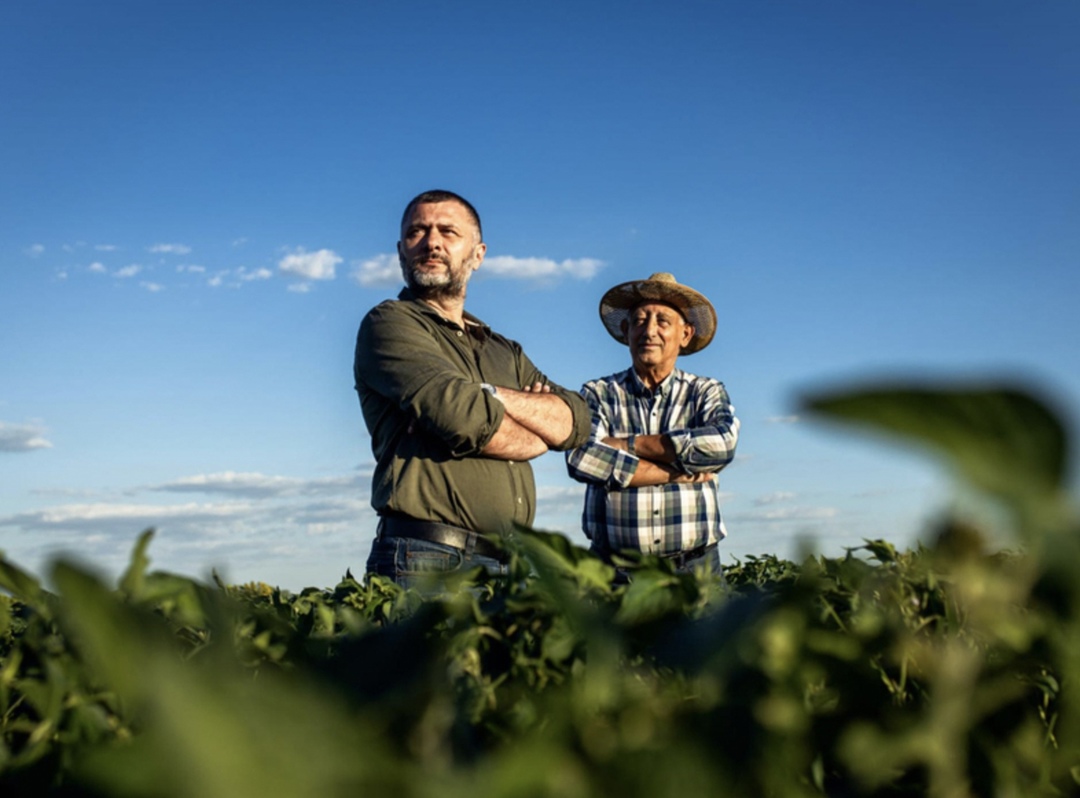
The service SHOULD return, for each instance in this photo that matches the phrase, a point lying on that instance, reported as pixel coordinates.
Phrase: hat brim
(616, 304)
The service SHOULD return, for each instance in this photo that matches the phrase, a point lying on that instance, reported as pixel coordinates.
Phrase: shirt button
(519, 500)
(460, 333)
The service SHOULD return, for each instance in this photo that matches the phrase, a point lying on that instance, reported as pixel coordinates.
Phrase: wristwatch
(630, 439)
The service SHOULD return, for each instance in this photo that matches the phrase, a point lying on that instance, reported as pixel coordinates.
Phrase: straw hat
(617, 303)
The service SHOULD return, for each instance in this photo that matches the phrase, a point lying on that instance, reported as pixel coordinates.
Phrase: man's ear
(479, 252)
(688, 334)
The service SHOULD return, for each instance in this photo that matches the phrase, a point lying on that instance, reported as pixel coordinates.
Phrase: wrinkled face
(440, 248)
(656, 332)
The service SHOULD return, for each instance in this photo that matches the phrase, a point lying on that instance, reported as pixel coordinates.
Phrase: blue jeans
(419, 564)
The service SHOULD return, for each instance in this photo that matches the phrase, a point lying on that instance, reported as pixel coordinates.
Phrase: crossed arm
(534, 422)
(399, 358)
(691, 454)
(656, 455)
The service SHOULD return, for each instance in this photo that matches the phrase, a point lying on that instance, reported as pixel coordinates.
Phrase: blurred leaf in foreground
(1000, 439)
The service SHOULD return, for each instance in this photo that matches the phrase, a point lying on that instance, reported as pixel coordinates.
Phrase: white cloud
(106, 247)
(779, 497)
(22, 437)
(542, 269)
(64, 493)
(385, 269)
(170, 249)
(128, 271)
(381, 270)
(553, 500)
(782, 420)
(319, 265)
(108, 517)
(300, 288)
(239, 242)
(34, 250)
(153, 288)
(97, 267)
(191, 269)
(247, 526)
(256, 485)
(778, 514)
(256, 274)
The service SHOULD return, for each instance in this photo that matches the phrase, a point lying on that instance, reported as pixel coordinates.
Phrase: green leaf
(20, 584)
(206, 728)
(1001, 439)
(133, 581)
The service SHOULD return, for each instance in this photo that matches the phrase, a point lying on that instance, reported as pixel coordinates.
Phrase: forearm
(652, 473)
(545, 415)
(512, 441)
(657, 448)
(655, 455)
(702, 451)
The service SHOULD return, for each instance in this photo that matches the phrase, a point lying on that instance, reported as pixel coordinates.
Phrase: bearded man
(455, 411)
(659, 434)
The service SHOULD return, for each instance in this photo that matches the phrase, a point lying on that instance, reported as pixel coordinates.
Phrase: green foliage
(950, 670)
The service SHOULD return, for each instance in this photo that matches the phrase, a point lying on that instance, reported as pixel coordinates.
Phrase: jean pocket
(421, 556)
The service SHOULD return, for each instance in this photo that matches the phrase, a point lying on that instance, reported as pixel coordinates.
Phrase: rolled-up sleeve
(579, 410)
(595, 461)
(709, 444)
(397, 358)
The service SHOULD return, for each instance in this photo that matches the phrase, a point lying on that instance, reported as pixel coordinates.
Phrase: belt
(683, 557)
(679, 558)
(434, 532)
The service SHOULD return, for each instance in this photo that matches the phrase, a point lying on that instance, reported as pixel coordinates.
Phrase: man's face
(656, 332)
(439, 249)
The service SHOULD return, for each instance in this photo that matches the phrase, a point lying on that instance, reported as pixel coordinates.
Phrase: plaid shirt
(697, 416)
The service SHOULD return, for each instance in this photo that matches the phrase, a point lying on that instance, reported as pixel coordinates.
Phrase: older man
(454, 409)
(659, 434)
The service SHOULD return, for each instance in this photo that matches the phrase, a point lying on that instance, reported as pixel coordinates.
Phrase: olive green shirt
(419, 378)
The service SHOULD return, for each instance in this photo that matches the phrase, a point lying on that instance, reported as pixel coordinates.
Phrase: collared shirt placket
(475, 340)
(650, 404)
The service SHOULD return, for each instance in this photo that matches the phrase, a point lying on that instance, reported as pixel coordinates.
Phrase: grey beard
(436, 286)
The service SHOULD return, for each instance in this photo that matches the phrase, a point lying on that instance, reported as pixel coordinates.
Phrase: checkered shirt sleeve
(697, 415)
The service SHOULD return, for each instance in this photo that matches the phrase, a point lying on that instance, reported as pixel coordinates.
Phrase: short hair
(440, 195)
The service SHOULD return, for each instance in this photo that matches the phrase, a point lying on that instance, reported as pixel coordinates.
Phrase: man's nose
(432, 241)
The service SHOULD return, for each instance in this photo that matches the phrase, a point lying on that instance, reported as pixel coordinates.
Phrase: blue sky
(199, 202)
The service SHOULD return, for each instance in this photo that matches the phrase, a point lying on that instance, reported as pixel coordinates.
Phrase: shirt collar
(638, 388)
(473, 324)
